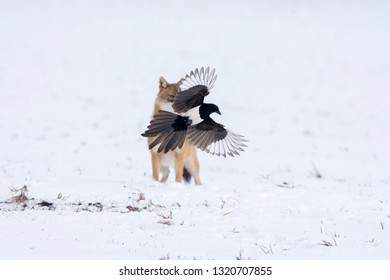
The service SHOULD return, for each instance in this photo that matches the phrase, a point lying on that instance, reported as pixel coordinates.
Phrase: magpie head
(207, 109)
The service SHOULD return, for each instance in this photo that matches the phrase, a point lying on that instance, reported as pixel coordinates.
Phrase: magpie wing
(169, 129)
(195, 86)
(190, 98)
(202, 76)
(213, 138)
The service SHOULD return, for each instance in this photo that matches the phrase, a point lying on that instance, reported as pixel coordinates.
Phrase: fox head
(168, 91)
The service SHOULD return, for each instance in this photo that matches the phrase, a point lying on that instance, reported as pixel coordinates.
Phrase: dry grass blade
(165, 222)
(327, 243)
(133, 209)
(20, 195)
(166, 219)
(267, 250)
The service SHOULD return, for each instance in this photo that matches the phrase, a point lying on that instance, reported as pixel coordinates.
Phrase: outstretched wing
(190, 98)
(213, 138)
(170, 130)
(195, 86)
(205, 77)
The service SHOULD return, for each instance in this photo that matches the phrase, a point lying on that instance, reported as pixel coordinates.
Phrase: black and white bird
(192, 120)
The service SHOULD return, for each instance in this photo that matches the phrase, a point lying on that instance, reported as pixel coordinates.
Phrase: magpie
(192, 120)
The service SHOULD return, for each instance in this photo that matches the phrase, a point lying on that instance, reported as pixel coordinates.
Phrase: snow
(307, 83)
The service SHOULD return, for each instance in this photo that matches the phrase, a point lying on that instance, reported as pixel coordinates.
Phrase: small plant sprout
(61, 196)
(328, 243)
(267, 250)
(315, 173)
(240, 256)
(287, 185)
(223, 203)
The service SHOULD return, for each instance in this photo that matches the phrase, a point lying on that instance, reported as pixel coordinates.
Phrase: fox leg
(192, 165)
(156, 159)
(196, 171)
(165, 173)
(179, 165)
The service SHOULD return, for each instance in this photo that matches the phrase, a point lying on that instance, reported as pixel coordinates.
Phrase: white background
(307, 83)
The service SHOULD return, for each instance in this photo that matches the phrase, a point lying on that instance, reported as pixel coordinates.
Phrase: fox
(184, 160)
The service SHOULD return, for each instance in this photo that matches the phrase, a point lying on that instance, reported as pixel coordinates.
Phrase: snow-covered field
(307, 83)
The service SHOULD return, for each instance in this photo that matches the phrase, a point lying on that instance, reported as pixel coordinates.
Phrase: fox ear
(163, 83)
(180, 82)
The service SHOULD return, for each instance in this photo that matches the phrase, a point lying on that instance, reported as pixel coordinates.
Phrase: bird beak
(218, 112)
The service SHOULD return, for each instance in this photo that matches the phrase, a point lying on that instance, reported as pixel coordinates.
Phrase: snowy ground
(307, 83)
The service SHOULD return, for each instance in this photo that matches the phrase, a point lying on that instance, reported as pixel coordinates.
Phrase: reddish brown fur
(186, 157)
